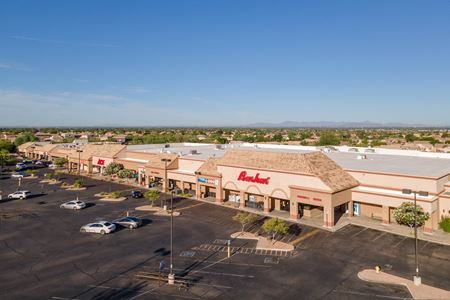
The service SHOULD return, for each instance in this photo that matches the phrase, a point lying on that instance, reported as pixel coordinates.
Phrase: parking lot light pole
(417, 279)
(79, 163)
(171, 279)
(166, 181)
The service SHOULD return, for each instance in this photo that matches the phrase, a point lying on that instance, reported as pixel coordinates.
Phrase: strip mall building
(296, 181)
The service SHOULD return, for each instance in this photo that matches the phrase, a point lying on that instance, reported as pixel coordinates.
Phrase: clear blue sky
(223, 62)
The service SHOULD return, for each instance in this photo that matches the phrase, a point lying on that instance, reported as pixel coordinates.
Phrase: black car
(137, 194)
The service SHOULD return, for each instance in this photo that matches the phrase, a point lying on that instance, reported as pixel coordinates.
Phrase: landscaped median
(158, 210)
(112, 197)
(263, 242)
(421, 291)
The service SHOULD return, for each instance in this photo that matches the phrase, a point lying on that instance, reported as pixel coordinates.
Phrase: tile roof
(156, 162)
(209, 167)
(24, 146)
(100, 150)
(313, 163)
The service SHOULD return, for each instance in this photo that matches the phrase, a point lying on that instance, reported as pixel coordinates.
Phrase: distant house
(9, 137)
(120, 138)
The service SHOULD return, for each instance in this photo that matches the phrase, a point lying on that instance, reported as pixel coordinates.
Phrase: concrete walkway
(422, 291)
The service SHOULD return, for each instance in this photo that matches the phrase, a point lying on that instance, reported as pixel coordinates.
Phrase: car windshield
(133, 219)
(78, 202)
(107, 224)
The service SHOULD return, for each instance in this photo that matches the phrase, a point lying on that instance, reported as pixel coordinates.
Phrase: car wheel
(131, 227)
(21, 198)
(102, 232)
(82, 230)
(74, 208)
(9, 197)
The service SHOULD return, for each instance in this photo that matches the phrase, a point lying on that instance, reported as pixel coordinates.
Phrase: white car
(17, 175)
(75, 204)
(102, 227)
(19, 195)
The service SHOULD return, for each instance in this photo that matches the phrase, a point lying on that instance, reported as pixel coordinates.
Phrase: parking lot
(44, 256)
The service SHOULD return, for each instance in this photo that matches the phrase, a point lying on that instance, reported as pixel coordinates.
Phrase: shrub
(114, 195)
(78, 183)
(49, 175)
(185, 195)
(445, 224)
(65, 185)
(103, 193)
(60, 161)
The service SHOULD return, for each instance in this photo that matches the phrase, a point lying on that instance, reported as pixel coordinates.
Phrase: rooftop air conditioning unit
(218, 147)
(361, 157)
(193, 152)
(167, 146)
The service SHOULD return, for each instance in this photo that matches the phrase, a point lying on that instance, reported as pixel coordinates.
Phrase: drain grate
(187, 253)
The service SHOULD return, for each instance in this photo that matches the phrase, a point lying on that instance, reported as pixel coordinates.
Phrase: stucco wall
(396, 182)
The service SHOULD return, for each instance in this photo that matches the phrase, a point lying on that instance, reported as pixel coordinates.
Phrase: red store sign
(101, 162)
(256, 179)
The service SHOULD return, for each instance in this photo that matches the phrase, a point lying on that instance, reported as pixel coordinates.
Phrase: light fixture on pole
(79, 163)
(417, 279)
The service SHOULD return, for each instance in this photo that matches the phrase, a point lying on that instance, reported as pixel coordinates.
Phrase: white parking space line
(219, 273)
(362, 230)
(380, 235)
(397, 244)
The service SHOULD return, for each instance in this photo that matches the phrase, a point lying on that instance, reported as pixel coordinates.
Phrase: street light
(79, 163)
(171, 277)
(417, 279)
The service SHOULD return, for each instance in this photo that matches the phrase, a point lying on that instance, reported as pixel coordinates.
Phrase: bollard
(377, 269)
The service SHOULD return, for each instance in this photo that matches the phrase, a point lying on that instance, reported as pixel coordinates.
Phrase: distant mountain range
(327, 124)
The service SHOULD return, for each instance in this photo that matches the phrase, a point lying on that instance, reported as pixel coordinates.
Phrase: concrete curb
(422, 291)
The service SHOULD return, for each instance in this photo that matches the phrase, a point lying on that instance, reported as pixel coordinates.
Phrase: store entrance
(284, 205)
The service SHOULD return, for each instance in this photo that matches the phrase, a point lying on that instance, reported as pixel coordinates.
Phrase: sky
(223, 62)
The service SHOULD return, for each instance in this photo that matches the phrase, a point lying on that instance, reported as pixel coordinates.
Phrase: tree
(25, 137)
(274, 227)
(152, 196)
(125, 173)
(60, 162)
(78, 183)
(4, 157)
(7, 145)
(277, 137)
(404, 215)
(113, 168)
(328, 139)
(245, 218)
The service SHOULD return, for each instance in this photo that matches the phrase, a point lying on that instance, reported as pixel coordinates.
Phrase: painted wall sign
(256, 179)
(208, 180)
(101, 162)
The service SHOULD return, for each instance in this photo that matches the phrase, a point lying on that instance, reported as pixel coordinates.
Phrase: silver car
(102, 227)
(75, 204)
(129, 222)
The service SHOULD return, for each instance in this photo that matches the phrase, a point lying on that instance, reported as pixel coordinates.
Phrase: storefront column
(350, 208)
(266, 204)
(294, 210)
(197, 190)
(328, 216)
(182, 186)
(90, 167)
(242, 199)
(428, 226)
(277, 204)
(385, 214)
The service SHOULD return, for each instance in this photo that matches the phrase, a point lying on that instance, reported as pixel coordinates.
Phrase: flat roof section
(393, 164)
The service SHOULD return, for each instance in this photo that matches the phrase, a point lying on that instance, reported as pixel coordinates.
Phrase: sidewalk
(422, 291)
(263, 242)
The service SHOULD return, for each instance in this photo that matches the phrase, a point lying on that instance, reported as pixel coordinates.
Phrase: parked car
(19, 195)
(52, 166)
(75, 204)
(102, 227)
(129, 222)
(17, 175)
(137, 194)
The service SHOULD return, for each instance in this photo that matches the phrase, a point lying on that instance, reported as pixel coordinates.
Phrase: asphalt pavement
(44, 256)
